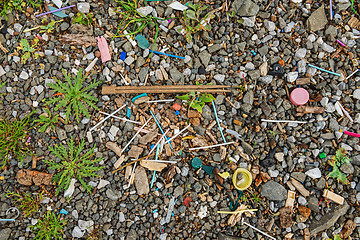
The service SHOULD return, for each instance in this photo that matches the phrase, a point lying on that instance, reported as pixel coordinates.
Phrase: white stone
(187, 59)
(9, 89)
(202, 212)
(113, 130)
(109, 232)
(34, 221)
(70, 189)
(83, 7)
(249, 22)
(35, 103)
(219, 77)
(16, 59)
(327, 48)
(111, 12)
(270, 26)
(330, 108)
(356, 94)
(122, 217)
(75, 214)
(48, 52)
(249, 66)
(86, 225)
(279, 156)
(213, 204)
(24, 75)
(39, 89)
(301, 225)
(145, 10)
(103, 183)
(129, 60)
(77, 232)
(292, 76)
(301, 53)
(187, 72)
(314, 173)
(357, 221)
(267, 79)
(274, 173)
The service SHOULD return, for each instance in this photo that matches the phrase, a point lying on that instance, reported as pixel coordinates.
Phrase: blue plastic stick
(166, 54)
(324, 70)
(139, 96)
(156, 158)
(217, 120)
(160, 128)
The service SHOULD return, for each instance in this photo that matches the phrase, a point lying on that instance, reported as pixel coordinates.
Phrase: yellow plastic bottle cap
(245, 181)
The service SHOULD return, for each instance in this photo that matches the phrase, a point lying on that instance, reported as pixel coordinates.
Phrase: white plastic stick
(160, 161)
(346, 112)
(211, 146)
(247, 224)
(165, 100)
(157, 143)
(120, 118)
(352, 74)
(134, 136)
(112, 114)
(178, 134)
(132, 174)
(282, 121)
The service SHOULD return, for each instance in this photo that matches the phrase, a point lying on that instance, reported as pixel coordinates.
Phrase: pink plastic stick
(104, 49)
(352, 134)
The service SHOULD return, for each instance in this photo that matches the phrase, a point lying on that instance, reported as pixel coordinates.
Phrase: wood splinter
(306, 109)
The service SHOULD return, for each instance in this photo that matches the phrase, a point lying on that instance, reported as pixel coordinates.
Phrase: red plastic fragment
(176, 106)
(187, 201)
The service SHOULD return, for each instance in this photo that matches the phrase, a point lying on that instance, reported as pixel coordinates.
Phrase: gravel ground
(240, 50)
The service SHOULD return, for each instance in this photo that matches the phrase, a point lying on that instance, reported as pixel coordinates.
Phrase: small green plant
(49, 27)
(46, 120)
(14, 139)
(49, 227)
(196, 100)
(27, 49)
(16, 5)
(94, 235)
(336, 161)
(244, 198)
(83, 19)
(28, 204)
(336, 237)
(132, 22)
(73, 96)
(73, 164)
(255, 197)
(194, 21)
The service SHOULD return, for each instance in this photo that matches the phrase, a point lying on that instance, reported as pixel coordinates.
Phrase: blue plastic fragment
(253, 52)
(155, 210)
(123, 55)
(128, 112)
(63, 211)
(152, 146)
(139, 96)
(177, 112)
(58, 14)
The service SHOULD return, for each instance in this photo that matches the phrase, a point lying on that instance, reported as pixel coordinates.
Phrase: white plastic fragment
(70, 189)
(2, 71)
(202, 212)
(170, 210)
(129, 38)
(91, 65)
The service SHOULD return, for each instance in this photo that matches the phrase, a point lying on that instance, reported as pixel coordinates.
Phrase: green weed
(83, 19)
(46, 120)
(27, 49)
(255, 197)
(74, 163)
(49, 27)
(13, 139)
(73, 96)
(194, 21)
(336, 161)
(17, 5)
(49, 227)
(28, 204)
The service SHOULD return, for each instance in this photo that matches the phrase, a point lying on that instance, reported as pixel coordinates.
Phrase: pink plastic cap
(299, 96)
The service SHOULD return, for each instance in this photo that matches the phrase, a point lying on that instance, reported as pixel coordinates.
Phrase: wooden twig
(128, 164)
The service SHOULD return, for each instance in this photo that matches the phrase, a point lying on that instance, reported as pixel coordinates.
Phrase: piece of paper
(58, 14)
(178, 6)
(104, 49)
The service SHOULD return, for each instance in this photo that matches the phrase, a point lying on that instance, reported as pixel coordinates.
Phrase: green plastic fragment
(322, 155)
(59, 14)
(196, 163)
(142, 41)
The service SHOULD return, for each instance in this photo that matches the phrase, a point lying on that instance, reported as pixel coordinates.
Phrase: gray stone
(301, 53)
(175, 74)
(317, 20)
(270, 26)
(333, 124)
(102, 184)
(61, 133)
(300, 176)
(356, 94)
(245, 8)
(145, 10)
(83, 7)
(313, 204)
(64, 26)
(331, 30)
(329, 219)
(132, 235)
(205, 58)
(113, 194)
(178, 191)
(5, 234)
(314, 173)
(121, 217)
(273, 191)
(347, 168)
(225, 237)
(247, 147)
(219, 77)
(215, 48)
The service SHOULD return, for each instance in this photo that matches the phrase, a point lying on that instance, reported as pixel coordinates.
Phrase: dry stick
(211, 146)
(159, 161)
(156, 101)
(134, 136)
(112, 114)
(177, 134)
(128, 164)
(120, 118)
(132, 174)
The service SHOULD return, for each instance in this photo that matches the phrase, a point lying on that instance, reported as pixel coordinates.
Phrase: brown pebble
(16, 33)
(97, 54)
